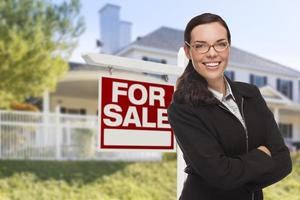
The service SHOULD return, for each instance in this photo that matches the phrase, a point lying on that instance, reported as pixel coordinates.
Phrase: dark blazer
(222, 158)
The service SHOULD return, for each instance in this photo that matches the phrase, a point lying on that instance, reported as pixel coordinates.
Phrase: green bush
(46, 180)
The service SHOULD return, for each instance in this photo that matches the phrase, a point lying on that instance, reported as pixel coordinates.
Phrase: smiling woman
(229, 138)
(207, 61)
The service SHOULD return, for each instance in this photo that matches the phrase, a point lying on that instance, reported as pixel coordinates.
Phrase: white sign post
(182, 62)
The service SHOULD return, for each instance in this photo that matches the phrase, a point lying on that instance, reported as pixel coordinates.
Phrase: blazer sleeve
(200, 146)
(280, 153)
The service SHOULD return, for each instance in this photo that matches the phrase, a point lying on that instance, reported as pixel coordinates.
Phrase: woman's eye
(222, 44)
(200, 46)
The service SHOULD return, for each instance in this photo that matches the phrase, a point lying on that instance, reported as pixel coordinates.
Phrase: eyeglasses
(204, 47)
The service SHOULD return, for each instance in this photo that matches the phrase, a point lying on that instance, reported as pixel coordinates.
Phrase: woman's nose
(212, 52)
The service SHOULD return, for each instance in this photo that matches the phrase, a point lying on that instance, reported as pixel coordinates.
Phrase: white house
(279, 84)
(77, 91)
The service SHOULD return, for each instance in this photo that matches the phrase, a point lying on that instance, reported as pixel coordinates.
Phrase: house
(70, 112)
(279, 84)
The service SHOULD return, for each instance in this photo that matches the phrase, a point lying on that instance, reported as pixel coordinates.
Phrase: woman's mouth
(211, 65)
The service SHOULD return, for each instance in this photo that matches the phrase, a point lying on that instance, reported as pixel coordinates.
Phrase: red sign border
(102, 146)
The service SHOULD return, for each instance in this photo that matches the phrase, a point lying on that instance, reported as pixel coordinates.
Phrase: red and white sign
(133, 115)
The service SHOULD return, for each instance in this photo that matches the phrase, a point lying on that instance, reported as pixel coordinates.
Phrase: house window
(74, 111)
(156, 60)
(163, 61)
(257, 80)
(286, 130)
(230, 74)
(285, 87)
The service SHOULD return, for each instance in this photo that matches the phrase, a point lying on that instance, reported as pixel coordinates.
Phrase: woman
(229, 138)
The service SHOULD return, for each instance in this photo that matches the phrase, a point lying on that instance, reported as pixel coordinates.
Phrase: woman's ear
(187, 51)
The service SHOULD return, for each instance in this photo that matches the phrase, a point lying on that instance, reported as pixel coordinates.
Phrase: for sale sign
(133, 115)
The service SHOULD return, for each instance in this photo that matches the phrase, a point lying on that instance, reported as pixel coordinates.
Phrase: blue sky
(268, 28)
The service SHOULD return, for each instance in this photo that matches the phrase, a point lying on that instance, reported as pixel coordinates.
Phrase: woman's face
(212, 64)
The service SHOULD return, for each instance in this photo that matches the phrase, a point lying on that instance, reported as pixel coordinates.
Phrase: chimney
(125, 33)
(115, 33)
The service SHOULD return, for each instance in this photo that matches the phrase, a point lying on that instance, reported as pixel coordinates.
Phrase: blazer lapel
(240, 92)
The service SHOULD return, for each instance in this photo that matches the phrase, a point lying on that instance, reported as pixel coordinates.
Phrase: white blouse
(228, 100)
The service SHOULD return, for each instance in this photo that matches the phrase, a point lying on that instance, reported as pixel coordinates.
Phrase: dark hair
(205, 18)
(191, 87)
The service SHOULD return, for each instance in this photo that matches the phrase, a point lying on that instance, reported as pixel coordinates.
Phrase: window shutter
(265, 80)
(291, 89)
(251, 78)
(291, 130)
(278, 84)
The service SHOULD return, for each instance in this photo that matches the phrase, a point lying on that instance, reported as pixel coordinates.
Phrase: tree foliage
(36, 39)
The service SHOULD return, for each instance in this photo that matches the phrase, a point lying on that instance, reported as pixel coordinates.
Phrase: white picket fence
(56, 136)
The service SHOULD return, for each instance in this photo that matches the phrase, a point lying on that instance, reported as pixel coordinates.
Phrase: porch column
(276, 115)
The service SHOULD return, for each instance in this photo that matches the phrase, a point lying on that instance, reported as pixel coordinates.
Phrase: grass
(74, 180)
(46, 180)
(288, 188)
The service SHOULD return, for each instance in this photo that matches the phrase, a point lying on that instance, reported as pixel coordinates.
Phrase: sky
(268, 28)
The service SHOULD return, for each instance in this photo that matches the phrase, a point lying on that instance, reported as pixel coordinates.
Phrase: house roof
(165, 38)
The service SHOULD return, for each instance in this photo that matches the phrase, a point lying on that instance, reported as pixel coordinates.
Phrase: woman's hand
(265, 149)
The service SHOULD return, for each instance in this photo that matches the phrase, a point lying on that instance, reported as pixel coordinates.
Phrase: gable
(273, 96)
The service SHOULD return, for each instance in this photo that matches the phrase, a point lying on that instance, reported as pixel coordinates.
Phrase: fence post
(45, 117)
(57, 133)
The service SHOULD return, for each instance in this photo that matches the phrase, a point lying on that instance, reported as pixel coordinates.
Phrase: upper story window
(257, 80)
(285, 87)
(230, 74)
(156, 60)
(163, 61)
(286, 131)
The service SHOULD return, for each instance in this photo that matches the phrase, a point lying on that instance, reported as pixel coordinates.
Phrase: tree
(36, 40)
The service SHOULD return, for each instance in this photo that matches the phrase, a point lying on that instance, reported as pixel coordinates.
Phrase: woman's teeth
(212, 64)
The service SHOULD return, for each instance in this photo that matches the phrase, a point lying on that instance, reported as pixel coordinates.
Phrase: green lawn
(288, 188)
(44, 180)
(47, 180)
